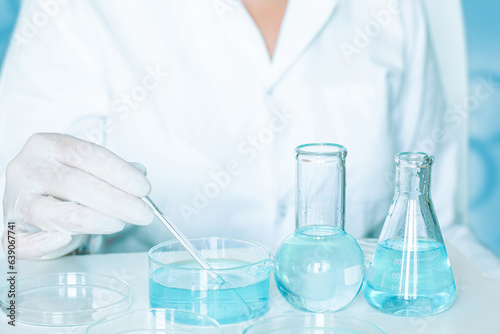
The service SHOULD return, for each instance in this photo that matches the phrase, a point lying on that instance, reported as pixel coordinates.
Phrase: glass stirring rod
(195, 254)
(183, 240)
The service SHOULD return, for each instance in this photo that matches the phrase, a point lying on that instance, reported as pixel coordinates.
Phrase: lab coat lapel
(302, 22)
(243, 36)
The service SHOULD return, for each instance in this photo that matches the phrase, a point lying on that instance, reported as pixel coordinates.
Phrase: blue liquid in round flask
(410, 274)
(320, 267)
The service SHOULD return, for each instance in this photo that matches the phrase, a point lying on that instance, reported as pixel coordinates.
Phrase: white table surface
(475, 310)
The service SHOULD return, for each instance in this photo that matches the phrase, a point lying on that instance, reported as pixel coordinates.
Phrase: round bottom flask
(320, 267)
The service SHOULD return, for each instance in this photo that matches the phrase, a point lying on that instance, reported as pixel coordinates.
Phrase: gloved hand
(59, 188)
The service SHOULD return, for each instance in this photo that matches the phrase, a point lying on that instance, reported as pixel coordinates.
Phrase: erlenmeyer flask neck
(320, 185)
(413, 174)
(412, 215)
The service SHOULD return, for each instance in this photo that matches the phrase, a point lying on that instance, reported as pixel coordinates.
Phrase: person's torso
(196, 99)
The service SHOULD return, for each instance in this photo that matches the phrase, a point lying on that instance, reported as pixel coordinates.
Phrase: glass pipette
(183, 240)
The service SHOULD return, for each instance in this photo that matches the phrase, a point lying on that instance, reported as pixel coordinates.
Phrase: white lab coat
(187, 88)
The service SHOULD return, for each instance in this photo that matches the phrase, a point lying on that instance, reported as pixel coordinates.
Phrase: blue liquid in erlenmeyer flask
(320, 268)
(179, 290)
(410, 283)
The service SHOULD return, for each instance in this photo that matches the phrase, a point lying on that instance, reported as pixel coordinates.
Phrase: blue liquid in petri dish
(183, 290)
(320, 268)
(410, 283)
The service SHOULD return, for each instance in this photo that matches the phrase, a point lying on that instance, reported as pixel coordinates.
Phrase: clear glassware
(313, 323)
(177, 281)
(410, 274)
(155, 321)
(320, 267)
(66, 299)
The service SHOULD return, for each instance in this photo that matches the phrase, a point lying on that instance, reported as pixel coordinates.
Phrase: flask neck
(412, 216)
(413, 181)
(413, 174)
(320, 185)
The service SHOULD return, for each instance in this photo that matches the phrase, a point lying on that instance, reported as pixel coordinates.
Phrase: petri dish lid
(156, 320)
(66, 299)
(319, 323)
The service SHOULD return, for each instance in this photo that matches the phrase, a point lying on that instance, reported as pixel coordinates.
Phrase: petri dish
(156, 320)
(66, 299)
(319, 323)
(176, 281)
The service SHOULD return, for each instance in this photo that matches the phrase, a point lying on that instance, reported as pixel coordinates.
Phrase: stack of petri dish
(67, 299)
(313, 323)
(150, 321)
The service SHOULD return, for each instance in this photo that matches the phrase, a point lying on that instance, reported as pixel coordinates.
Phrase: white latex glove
(60, 188)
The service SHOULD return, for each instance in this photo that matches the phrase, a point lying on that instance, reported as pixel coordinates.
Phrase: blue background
(482, 23)
(8, 14)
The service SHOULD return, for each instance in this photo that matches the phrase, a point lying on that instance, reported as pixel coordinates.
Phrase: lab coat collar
(302, 23)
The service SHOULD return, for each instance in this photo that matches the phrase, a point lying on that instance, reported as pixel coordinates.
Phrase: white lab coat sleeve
(51, 77)
(421, 120)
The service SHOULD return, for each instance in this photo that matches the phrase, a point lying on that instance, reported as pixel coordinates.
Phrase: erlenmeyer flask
(410, 274)
(320, 267)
